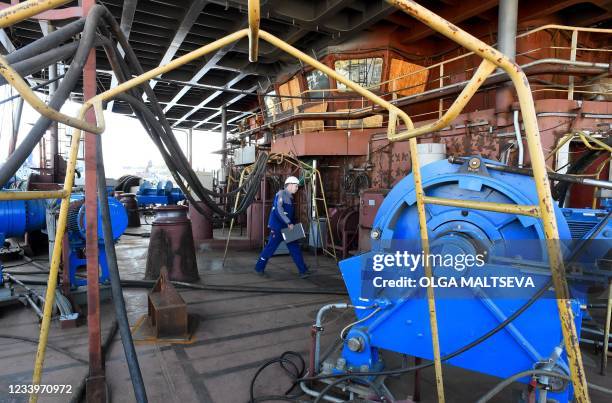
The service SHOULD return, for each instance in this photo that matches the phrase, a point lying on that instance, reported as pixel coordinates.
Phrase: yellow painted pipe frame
(33, 195)
(254, 18)
(531, 211)
(56, 258)
(15, 80)
(536, 154)
(24, 10)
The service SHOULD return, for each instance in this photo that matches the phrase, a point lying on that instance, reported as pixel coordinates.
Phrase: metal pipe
(506, 44)
(16, 123)
(33, 194)
(319, 329)
(431, 302)
(223, 136)
(254, 17)
(55, 261)
(113, 269)
(314, 393)
(24, 10)
(48, 111)
(190, 146)
(551, 175)
(53, 129)
(519, 139)
(531, 211)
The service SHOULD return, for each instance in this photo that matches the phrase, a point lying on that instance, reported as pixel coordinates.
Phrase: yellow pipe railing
(14, 79)
(56, 258)
(492, 58)
(33, 195)
(24, 10)
(254, 17)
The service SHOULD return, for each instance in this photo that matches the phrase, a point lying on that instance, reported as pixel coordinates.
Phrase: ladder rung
(33, 195)
(521, 209)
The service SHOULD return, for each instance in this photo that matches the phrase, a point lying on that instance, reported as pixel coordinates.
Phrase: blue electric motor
(76, 229)
(397, 318)
(163, 194)
(20, 216)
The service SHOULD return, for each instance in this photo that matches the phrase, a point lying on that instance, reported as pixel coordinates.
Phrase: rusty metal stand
(167, 311)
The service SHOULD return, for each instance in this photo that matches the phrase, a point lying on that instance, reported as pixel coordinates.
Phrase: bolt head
(355, 344)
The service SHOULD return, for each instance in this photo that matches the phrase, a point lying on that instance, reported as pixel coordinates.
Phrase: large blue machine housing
(76, 228)
(397, 319)
(20, 216)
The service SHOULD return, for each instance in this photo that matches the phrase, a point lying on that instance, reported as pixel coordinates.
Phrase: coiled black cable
(296, 373)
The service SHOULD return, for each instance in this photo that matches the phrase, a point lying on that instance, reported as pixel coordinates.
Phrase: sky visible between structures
(127, 147)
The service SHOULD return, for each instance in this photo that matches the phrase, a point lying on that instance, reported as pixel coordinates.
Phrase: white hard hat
(292, 180)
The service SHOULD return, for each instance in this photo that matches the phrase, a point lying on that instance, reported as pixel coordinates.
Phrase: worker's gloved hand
(290, 226)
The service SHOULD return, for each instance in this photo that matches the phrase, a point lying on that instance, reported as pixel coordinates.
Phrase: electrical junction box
(244, 155)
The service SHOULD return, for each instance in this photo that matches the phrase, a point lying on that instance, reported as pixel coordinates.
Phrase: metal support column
(96, 388)
(223, 135)
(224, 170)
(54, 128)
(190, 146)
(17, 112)
(506, 44)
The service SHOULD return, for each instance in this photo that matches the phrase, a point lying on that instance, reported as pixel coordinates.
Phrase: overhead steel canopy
(161, 30)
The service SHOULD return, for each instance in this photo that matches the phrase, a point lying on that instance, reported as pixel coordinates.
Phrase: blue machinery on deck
(395, 318)
(20, 216)
(76, 236)
(164, 193)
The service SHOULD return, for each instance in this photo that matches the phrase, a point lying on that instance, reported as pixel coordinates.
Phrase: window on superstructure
(365, 72)
(317, 83)
(272, 104)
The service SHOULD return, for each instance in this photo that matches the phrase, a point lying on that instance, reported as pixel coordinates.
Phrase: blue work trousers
(273, 242)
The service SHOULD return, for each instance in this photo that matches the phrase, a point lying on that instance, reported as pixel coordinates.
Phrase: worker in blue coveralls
(283, 216)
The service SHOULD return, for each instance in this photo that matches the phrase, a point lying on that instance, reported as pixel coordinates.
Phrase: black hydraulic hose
(169, 140)
(120, 312)
(39, 62)
(166, 141)
(147, 119)
(49, 41)
(15, 160)
(168, 159)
